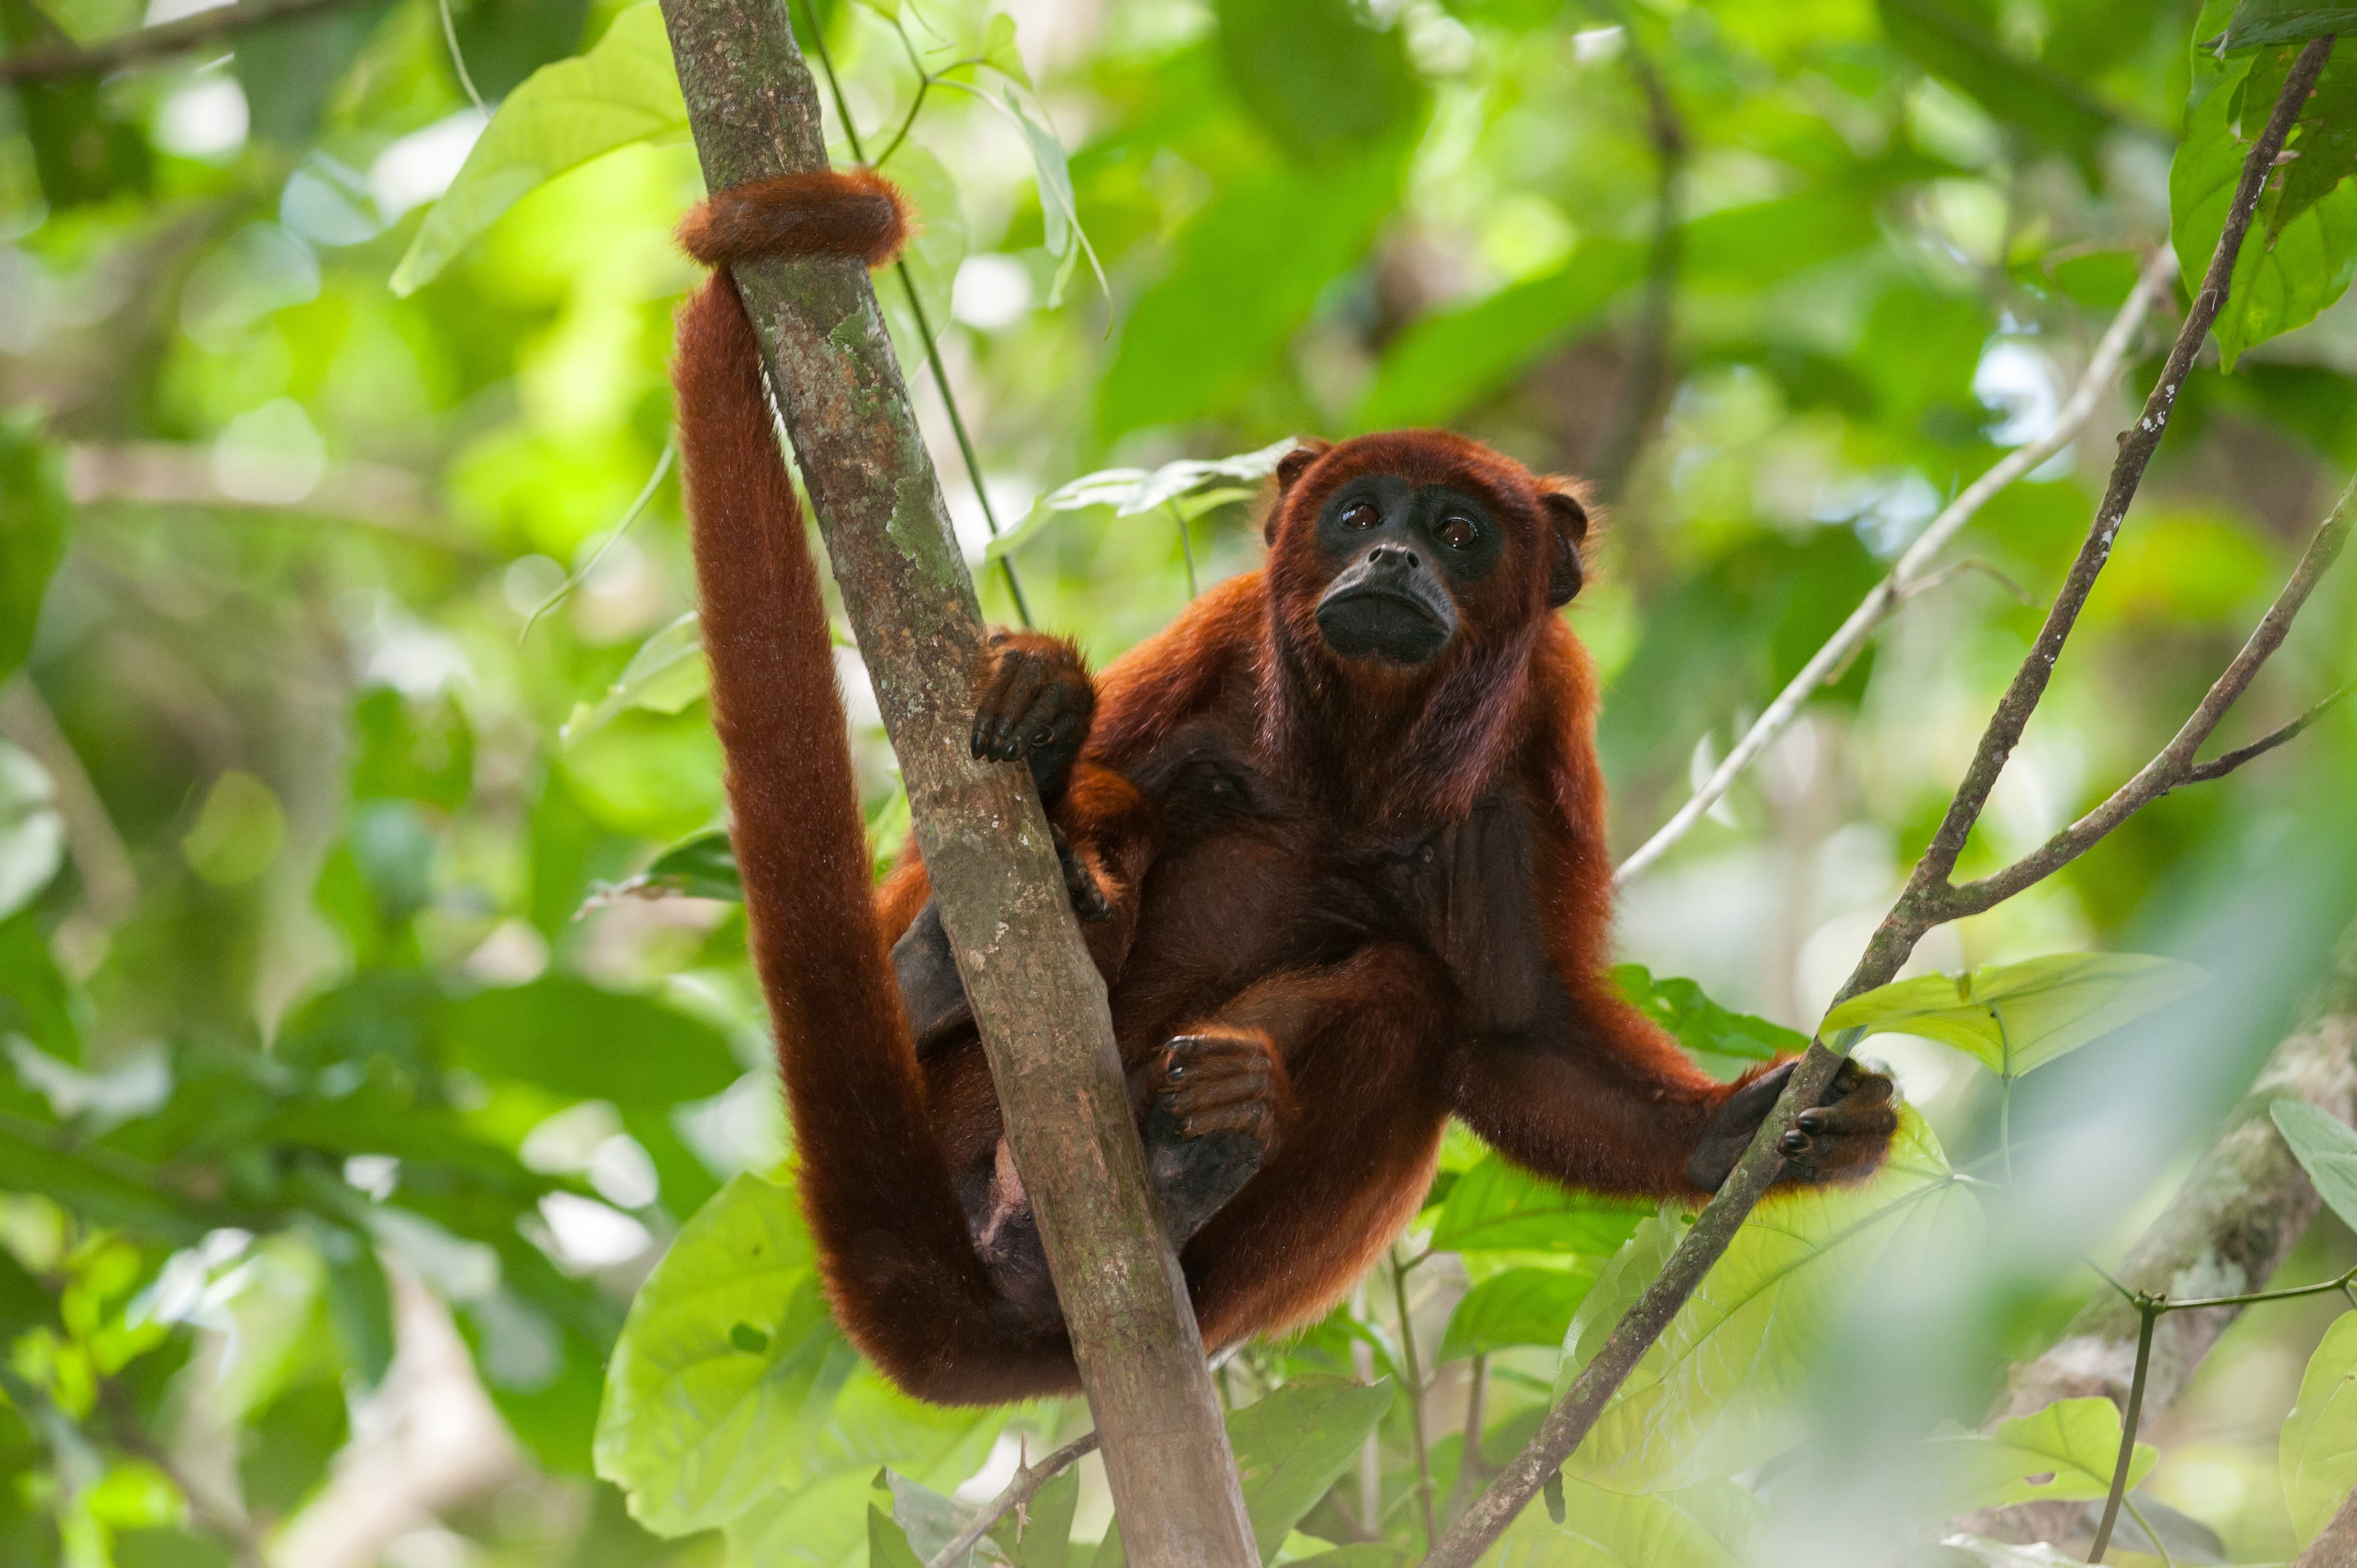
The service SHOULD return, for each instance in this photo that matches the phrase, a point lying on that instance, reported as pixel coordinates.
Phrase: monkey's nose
(1397, 557)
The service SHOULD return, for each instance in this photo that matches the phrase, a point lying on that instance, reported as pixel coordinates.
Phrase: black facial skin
(1405, 550)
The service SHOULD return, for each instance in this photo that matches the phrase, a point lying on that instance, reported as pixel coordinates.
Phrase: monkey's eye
(1458, 533)
(1360, 514)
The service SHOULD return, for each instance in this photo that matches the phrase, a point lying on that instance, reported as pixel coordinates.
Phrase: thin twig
(1913, 568)
(1647, 374)
(1469, 1454)
(613, 537)
(203, 30)
(2148, 1314)
(1028, 1479)
(1415, 1400)
(1568, 1423)
(2175, 765)
(1186, 545)
(2219, 766)
(917, 310)
(458, 61)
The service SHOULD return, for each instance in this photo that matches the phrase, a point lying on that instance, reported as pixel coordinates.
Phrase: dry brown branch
(1569, 1422)
(1028, 1479)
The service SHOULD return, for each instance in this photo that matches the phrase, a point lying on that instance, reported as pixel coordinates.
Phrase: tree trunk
(1041, 1007)
(2240, 1210)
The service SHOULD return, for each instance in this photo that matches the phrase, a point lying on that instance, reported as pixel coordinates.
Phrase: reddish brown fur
(848, 212)
(1252, 808)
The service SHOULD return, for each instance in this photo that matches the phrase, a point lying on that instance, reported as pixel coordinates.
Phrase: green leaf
(1706, 1526)
(704, 866)
(695, 1428)
(999, 51)
(824, 1523)
(2326, 1149)
(360, 1300)
(290, 73)
(2065, 1451)
(2260, 22)
(663, 676)
(932, 256)
(621, 91)
(1636, 1265)
(1499, 1207)
(1130, 491)
(887, 1544)
(1059, 213)
(34, 517)
(1248, 269)
(1700, 1024)
(573, 1039)
(2322, 147)
(2016, 1017)
(2286, 273)
(2319, 1437)
(1290, 1445)
(1318, 76)
(1951, 44)
(1521, 1307)
(1719, 1391)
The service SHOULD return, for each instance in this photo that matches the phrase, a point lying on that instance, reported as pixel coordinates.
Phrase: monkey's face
(1391, 550)
(1406, 553)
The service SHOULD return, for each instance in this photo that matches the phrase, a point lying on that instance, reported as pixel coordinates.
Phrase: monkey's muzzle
(1386, 605)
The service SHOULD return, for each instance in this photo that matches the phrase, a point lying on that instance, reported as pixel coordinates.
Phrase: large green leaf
(34, 516)
(2016, 1017)
(2064, 1452)
(2258, 22)
(2319, 1436)
(725, 1367)
(1249, 268)
(1499, 1207)
(570, 1037)
(1521, 1307)
(1716, 1393)
(1636, 1264)
(1290, 1446)
(1700, 1024)
(621, 91)
(1707, 1526)
(2289, 268)
(2326, 1149)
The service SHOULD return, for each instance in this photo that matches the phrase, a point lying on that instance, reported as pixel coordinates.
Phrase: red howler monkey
(1337, 839)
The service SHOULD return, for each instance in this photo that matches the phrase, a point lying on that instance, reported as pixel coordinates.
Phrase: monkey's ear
(1565, 510)
(1290, 469)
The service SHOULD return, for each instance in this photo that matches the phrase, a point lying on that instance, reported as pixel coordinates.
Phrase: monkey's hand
(1033, 702)
(1842, 1138)
(1216, 1106)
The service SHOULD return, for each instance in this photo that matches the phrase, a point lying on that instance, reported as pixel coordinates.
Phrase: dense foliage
(390, 1160)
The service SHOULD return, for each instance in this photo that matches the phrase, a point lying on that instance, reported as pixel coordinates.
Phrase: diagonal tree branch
(1913, 569)
(206, 29)
(1569, 1422)
(2219, 766)
(2175, 765)
(754, 110)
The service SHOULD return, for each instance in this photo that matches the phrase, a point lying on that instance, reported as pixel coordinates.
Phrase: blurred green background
(333, 1021)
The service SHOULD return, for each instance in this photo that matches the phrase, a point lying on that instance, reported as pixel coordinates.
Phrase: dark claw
(1814, 1120)
(1796, 1145)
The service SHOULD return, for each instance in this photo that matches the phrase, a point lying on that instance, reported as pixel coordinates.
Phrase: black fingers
(1081, 885)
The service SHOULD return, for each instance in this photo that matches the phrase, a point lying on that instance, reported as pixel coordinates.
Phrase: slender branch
(909, 285)
(1028, 1479)
(1913, 571)
(2253, 1298)
(2219, 766)
(1186, 546)
(2159, 1547)
(613, 537)
(1569, 1422)
(459, 60)
(203, 30)
(1648, 371)
(1415, 1398)
(2175, 765)
(1468, 1455)
(2148, 1310)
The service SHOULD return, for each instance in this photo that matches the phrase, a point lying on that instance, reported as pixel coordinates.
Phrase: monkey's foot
(1842, 1138)
(1034, 704)
(1212, 1122)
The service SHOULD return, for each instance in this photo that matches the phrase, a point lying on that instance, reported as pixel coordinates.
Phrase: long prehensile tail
(892, 1237)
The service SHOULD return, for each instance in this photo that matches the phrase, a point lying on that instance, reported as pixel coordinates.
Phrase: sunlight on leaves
(2319, 1437)
(2016, 1017)
(623, 91)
